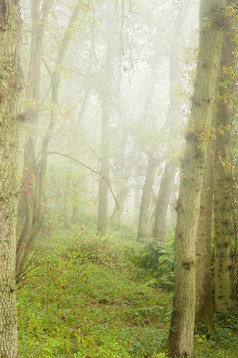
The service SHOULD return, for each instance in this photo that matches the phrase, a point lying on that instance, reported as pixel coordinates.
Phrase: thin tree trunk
(10, 165)
(137, 196)
(183, 316)
(26, 241)
(31, 112)
(174, 121)
(163, 199)
(103, 184)
(145, 200)
(105, 119)
(122, 193)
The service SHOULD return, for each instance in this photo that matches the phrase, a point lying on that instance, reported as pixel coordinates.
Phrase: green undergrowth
(223, 342)
(92, 296)
(84, 301)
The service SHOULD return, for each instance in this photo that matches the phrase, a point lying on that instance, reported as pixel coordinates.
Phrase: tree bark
(145, 200)
(10, 165)
(204, 299)
(162, 203)
(210, 41)
(224, 226)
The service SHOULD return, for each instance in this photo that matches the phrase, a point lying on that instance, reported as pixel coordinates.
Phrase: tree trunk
(27, 238)
(174, 121)
(145, 200)
(103, 184)
(31, 112)
(223, 189)
(204, 300)
(122, 193)
(137, 196)
(10, 165)
(105, 118)
(183, 316)
(162, 203)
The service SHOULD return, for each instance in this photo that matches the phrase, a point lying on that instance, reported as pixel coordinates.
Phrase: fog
(106, 83)
(118, 178)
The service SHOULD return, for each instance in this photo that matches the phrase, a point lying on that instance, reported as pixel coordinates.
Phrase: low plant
(157, 259)
(101, 250)
(79, 304)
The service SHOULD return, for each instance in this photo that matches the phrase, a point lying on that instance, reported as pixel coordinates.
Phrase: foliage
(81, 305)
(225, 337)
(99, 250)
(85, 301)
(124, 232)
(157, 259)
(65, 191)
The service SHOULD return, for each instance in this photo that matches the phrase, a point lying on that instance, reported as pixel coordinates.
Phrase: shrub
(157, 259)
(95, 249)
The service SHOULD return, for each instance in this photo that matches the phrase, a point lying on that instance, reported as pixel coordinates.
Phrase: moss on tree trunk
(204, 299)
(188, 206)
(224, 226)
(10, 165)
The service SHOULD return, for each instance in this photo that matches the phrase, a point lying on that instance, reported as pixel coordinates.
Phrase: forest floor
(86, 299)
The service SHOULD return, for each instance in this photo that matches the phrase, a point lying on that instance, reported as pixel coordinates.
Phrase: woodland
(118, 178)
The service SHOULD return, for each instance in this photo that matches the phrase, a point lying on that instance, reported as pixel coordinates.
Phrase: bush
(157, 259)
(96, 249)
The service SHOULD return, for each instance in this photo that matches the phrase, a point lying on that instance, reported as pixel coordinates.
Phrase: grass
(77, 305)
(87, 300)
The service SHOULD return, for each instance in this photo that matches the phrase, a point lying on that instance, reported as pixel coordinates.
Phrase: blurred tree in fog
(106, 90)
(36, 171)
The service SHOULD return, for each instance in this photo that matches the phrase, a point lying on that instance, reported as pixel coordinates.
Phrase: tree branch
(91, 169)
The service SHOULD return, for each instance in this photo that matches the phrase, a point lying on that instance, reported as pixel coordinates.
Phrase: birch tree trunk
(188, 205)
(10, 162)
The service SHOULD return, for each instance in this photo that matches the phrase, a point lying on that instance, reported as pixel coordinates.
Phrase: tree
(39, 17)
(192, 168)
(145, 200)
(162, 202)
(11, 82)
(224, 225)
(106, 111)
(173, 122)
(204, 299)
(32, 227)
(224, 218)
